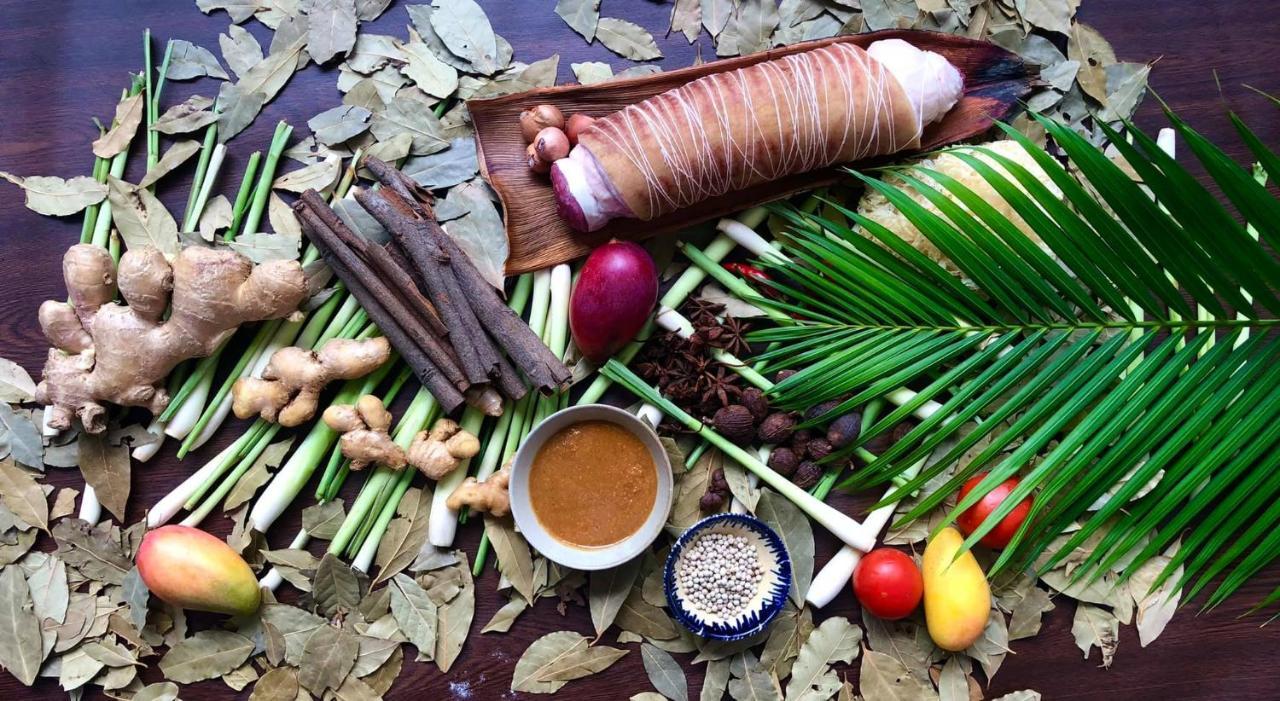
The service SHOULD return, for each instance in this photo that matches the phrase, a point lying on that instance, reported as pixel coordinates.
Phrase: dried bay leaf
(446, 168)
(786, 636)
(664, 673)
(739, 482)
(21, 651)
(716, 15)
(331, 28)
(416, 614)
(1094, 53)
(205, 655)
(643, 618)
(466, 32)
(686, 18)
(123, 127)
(504, 617)
(263, 247)
(76, 668)
(240, 677)
(373, 51)
(327, 657)
(835, 640)
(318, 176)
(186, 116)
(322, 521)
(608, 589)
(715, 681)
(393, 150)
(56, 197)
(239, 10)
(750, 681)
(425, 69)
(991, 647)
(882, 677)
(160, 691)
(190, 60)
(454, 618)
(335, 586)
(398, 551)
(50, 593)
(1053, 15)
(1096, 626)
(581, 15)
(333, 126)
(906, 641)
(369, 10)
(753, 23)
(591, 72)
(110, 653)
(19, 431)
(404, 114)
(1024, 621)
(240, 49)
(796, 533)
(374, 652)
(279, 684)
(136, 595)
(175, 156)
(16, 386)
(64, 504)
(889, 14)
(514, 561)
(260, 472)
(581, 663)
(142, 221)
(23, 496)
(294, 627)
(627, 39)
(1126, 85)
(953, 683)
(544, 653)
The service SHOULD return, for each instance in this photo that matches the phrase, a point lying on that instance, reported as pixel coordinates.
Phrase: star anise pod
(721, 387)
(701, 312)
(733, 338)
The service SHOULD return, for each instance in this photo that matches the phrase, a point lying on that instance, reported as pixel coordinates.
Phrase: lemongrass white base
(90, 507)
(171, 503)
(147, 451)
(185, 418)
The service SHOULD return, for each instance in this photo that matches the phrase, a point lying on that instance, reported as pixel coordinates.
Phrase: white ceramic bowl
(577, 557)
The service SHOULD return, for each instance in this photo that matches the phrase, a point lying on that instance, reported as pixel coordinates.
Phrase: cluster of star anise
(683, 370)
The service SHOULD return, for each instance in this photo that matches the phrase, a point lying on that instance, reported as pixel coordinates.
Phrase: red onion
(615, 293)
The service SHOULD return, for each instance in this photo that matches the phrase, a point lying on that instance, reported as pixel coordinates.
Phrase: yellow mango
(193, 570)
(957, 598)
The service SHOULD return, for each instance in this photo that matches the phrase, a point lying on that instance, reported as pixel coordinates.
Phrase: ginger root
(289, 390)
(489, 496)
(440, 452)
(121, 353)
(366, 440)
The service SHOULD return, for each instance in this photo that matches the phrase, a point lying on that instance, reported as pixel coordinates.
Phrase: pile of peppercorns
(703, 387)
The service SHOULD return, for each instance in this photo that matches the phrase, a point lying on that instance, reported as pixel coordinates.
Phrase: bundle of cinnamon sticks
(451, 326)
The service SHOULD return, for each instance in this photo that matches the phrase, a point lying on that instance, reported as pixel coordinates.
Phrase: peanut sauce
(593, 484)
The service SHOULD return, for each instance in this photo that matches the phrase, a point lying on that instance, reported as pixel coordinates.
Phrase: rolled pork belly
(729, 131)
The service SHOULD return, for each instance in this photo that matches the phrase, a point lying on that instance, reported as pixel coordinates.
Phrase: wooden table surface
(64, 61)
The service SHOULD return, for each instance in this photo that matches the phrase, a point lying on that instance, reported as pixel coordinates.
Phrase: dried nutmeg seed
(844, 430)
(783, 461)
(735, 423)
(551, 144)
(718, 482)
(900, 430)
(711, 502)
(536, 164)
(575, 125)
(800, 441)
(784, 374)
(537, 118)
(819, 409)
(755, 402)
(776, 428)
(807, 474)
(819, 448)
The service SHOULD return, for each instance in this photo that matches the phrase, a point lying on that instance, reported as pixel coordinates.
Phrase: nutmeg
(755, 402)
(819, 448)
(575, 125)
(783, 374)
(537, 118)
(844, 430)
(800, 441)
(776, 428)
(536, 164)
(551, 144)
(711, 502)
(783, 461)
(735, 423)
(819, 410)
(807, 474)
(901, 429)
(718, 482)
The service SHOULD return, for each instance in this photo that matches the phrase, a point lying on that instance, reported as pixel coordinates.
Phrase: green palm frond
(1133, 350)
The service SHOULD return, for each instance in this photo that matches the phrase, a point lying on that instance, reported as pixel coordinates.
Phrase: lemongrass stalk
(333, 314)
(840, 525)
(241, 205)
(152, 135)
(442, 523)
(199, 432)
(186, 411)
(145, 452)
(115, 246)
(171, 503)
(421, 410)
(263, 190)
(90, 507)
(272, 579)
(150, 106)
(650, 414)
(696, 454)
(556, 330)
(211, 501)
(335, 472)
(101, 166)
(102, 226)
(202, 167)
(835, 576)
(692, 277)
(243, 443)
(206, 187)
(498, 436)
(539, 306)
(369, 546)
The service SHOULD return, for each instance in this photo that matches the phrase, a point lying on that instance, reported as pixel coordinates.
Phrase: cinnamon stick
(418, 349)
(527, 351)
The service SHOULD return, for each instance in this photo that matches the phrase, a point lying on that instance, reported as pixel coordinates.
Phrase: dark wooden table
(62, 62)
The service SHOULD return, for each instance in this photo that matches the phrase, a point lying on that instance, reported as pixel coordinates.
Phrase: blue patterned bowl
(769, 598)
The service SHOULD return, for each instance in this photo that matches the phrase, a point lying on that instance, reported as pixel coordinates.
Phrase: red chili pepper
(753, 274)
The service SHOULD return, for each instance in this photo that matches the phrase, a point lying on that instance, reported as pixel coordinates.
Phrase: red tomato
(888, 583)
(973, 517)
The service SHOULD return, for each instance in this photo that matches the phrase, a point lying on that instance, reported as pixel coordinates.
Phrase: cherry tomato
(973, 517)
(888, 583)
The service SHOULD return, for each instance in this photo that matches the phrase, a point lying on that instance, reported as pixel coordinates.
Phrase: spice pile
(720, 574)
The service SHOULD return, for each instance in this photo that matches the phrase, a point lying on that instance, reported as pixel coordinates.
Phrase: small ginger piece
(104, 351)
(289, 390)
(489, 496)
(443, 449)
(365, 433)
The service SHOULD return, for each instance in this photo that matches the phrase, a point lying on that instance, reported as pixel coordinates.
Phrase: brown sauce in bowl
(593, 484)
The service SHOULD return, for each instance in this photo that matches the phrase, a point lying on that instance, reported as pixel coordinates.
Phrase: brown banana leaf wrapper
(995, 81)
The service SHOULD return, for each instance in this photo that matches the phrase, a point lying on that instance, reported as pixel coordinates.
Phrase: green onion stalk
(840, 525)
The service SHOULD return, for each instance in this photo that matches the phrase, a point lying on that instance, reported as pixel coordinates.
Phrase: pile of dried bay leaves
(81, 614)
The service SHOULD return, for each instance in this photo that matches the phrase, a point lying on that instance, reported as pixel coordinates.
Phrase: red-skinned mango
(193, 570)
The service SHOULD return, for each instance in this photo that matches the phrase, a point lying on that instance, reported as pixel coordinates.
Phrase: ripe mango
(957, 598)
(193, 570)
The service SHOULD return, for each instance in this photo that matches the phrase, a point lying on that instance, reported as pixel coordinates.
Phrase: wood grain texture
(995, 81)
(65, 61)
